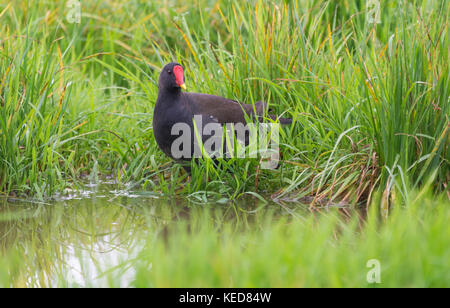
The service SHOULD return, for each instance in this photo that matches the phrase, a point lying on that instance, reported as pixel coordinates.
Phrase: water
(93, 237)
(99, 235)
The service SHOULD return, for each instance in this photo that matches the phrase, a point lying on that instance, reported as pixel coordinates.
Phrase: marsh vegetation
(370, 109)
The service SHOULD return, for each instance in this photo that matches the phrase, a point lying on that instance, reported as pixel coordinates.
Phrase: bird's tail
(283, 121)
(261, 108)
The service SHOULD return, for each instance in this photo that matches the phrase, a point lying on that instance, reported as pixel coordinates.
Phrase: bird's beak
(179, 76)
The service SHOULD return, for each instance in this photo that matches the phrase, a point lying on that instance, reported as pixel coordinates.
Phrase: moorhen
(174, 106)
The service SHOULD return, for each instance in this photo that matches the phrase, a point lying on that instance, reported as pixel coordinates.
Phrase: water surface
(93, 237)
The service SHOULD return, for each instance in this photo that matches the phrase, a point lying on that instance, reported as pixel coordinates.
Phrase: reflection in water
(76, 241)
(97, 241)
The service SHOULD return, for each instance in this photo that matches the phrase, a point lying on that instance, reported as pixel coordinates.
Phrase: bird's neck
(169, 95)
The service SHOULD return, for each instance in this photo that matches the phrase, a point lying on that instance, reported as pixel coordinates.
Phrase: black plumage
(175, 106)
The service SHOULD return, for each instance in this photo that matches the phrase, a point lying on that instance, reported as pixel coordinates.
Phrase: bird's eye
(169, 72)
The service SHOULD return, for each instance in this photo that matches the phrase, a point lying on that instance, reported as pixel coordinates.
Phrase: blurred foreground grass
(144, 242)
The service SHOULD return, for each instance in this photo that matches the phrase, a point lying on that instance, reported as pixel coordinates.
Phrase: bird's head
(172, 77)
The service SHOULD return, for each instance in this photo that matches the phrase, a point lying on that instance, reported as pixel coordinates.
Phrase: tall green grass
(369, 101)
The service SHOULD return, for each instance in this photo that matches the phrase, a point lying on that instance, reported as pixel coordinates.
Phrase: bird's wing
(223, 109)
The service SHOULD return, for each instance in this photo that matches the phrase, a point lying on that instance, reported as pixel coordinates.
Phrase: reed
(370, 101)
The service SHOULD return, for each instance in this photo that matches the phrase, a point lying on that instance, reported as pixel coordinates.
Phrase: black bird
(174, 106)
